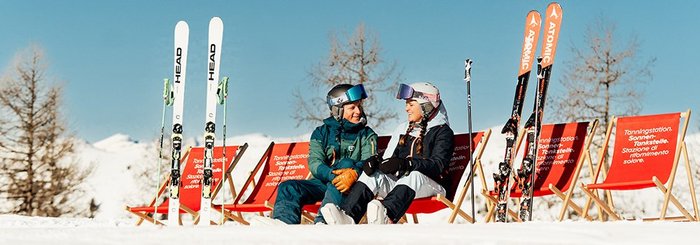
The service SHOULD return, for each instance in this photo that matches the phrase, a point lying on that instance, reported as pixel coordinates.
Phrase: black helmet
(342, 94)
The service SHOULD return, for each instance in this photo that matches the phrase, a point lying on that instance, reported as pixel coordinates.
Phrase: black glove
(396, 166)
(371, 164)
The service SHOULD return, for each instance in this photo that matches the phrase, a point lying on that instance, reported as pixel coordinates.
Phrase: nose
(358, 111)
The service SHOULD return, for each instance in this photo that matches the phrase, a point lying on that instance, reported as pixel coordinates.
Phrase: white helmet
(425, 93)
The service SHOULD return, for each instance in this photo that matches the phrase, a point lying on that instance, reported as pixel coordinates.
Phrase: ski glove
(396, 166)
(371, 164)
(344, 179)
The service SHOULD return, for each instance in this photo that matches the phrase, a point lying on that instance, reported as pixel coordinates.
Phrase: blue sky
(112, 56)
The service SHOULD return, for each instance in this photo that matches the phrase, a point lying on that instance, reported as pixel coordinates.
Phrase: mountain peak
(118, 139)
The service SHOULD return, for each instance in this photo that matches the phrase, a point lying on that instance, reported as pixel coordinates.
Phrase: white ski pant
(381, 184)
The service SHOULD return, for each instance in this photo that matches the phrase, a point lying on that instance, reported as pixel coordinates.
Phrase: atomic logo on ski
(552, 23)
(532, 31)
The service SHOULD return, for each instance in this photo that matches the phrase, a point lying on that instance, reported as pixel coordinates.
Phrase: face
(353, 111)
(415, 113)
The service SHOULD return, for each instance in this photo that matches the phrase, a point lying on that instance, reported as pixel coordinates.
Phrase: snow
(35, 230)
(113, 185)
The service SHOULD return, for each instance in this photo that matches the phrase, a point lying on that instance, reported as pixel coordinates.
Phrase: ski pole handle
(468, 70)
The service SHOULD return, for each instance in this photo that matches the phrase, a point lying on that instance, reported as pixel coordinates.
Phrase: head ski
(182, 33)
(216, 31)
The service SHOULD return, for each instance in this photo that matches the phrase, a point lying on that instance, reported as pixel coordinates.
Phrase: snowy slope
(111, 182)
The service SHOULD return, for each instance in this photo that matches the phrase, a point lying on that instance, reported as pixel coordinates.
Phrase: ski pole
(223, 97)
(468, 78)
(167, 100)
(538, 97)
(460, 199)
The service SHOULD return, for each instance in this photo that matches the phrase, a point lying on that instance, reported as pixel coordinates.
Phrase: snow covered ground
(114, 184)
(34, 230)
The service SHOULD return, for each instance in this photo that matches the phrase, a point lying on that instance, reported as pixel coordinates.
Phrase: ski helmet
(343, 94)
(426, 94)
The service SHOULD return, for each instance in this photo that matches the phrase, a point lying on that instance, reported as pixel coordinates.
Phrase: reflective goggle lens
(405, 92)
(356, 93)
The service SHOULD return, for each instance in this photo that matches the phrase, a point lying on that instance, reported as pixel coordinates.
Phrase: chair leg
(600, 203)
(491, 206)
(307, 217)
(143, 216)
(453, 207)
(514, 215)
(567, 204)
(673, 199)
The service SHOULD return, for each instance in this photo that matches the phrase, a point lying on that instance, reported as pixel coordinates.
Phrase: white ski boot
(376, 213)
(334, 216)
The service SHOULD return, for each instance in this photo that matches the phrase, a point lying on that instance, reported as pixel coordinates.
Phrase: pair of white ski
(216, 29)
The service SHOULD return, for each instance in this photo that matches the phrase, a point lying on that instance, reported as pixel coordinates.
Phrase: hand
(396, 166)
(371, 164)
(344, 179)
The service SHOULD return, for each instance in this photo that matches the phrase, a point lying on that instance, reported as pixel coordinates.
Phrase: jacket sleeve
(318, 166)
(369, 148)
(440, 154)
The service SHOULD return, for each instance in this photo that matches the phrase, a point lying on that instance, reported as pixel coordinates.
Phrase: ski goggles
(407, 92)
(353, 94)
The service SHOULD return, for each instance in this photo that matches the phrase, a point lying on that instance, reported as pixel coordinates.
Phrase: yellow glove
(344, 179)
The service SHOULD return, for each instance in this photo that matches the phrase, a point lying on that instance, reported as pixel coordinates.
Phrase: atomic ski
(526, 175)
(216, 31)
(182, 33)
(510, 129)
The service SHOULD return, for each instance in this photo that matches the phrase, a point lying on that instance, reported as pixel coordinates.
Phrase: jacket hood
(439, 119)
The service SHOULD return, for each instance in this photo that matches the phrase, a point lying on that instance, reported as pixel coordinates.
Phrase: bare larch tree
(602, 79)
(359, 61)
(39, 173)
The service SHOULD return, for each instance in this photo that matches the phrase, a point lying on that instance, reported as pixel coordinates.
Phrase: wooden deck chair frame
(144, 215)
(665, 188)
(565, 197)
(456, 204)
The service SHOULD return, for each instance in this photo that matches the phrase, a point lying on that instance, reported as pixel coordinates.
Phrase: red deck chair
(645, 154)
(458, 164)
(191, 190)
(280, 162)
(558, 165)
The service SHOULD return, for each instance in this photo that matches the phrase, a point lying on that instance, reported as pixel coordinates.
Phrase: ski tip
(533, 19)
(534, 13)
(554, 10)
(216, 21)
(182, 25)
